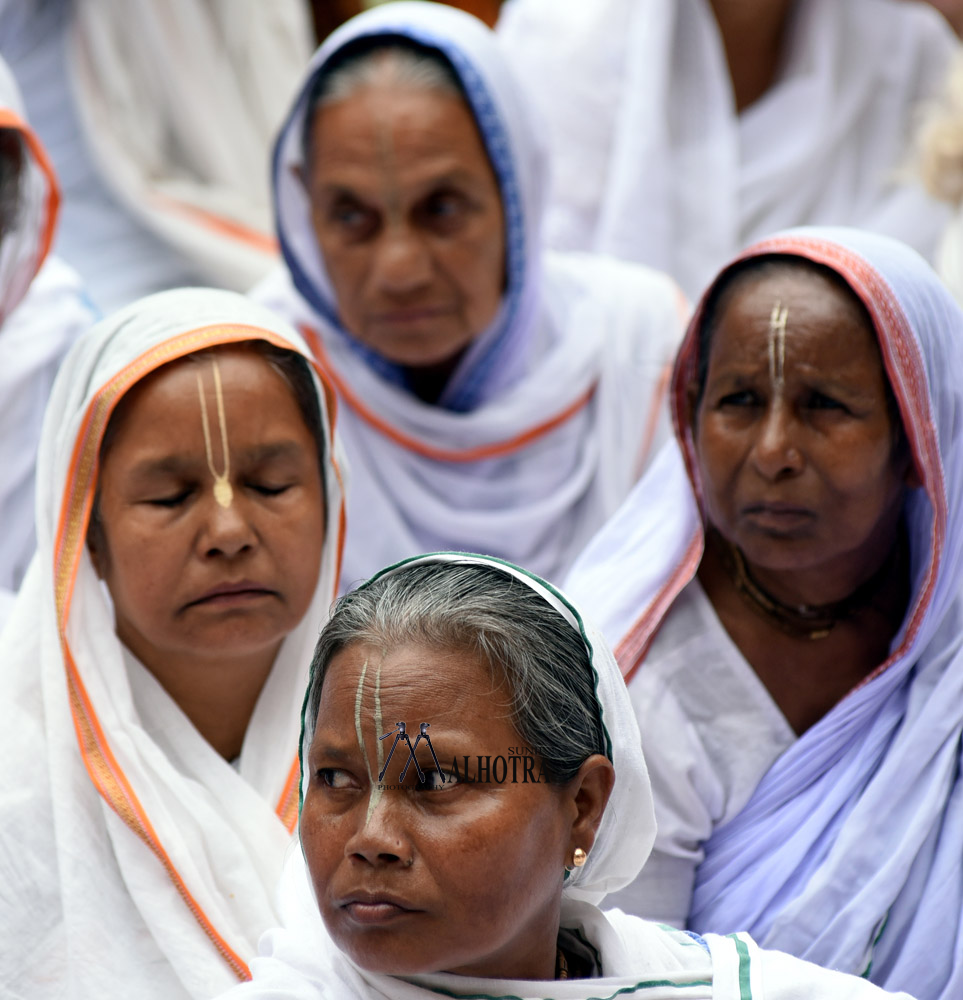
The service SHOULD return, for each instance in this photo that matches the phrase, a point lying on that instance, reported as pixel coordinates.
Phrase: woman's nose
(228, 530)
(381, 839)
(403, 262)
(776, 452)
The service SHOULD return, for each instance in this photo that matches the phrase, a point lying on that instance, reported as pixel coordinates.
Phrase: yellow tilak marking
(223, 493)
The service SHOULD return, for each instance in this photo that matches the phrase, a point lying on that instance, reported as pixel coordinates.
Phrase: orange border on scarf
(900, 354)
(10, 119)
(494, 450)
(219, 224)
(101, 764)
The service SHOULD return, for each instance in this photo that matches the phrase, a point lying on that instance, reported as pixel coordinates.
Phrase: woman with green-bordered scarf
(468, 856)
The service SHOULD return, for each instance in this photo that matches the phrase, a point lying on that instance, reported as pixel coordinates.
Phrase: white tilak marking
(357, 721)
(777, 347)
(376, 790)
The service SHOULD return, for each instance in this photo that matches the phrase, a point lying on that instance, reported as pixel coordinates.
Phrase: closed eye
(174, 500)
(270, 491)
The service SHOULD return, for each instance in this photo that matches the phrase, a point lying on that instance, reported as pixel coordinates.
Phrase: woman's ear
(591, 788)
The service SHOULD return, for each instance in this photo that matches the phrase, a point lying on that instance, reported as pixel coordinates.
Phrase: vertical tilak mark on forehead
(376, 791)
(357, 720)
(389, 174)
(777, 347)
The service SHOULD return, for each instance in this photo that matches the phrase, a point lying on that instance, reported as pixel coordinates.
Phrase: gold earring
(579, 857)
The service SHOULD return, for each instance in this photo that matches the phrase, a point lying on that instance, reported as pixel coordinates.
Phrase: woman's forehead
(796, 305)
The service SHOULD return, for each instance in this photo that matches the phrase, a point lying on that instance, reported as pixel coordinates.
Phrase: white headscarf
(654, 164)
(133, 858)
(848, 853)
(552, 412)
(638, 958)
(42, 310)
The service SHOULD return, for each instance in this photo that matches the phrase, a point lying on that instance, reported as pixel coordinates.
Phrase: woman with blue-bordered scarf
(493, 398)
(410, 887)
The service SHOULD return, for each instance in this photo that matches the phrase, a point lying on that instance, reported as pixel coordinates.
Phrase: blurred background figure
(495, 398)
(42, 311)
(681, 132)
(159, 118)
(941, 167)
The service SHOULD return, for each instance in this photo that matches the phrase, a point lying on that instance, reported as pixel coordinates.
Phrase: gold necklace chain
(223, 493)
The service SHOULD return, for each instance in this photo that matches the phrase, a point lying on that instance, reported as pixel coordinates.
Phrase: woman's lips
(240, 592)
(777, 515)
(375, 910)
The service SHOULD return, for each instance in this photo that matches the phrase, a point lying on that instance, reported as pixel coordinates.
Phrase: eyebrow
(330, 752)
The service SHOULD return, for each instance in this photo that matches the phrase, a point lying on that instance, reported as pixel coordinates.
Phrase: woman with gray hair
(493, 398)
(468, 856)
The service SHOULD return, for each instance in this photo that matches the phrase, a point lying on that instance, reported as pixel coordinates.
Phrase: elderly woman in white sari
(42, 311)
(684, 131)
(493, 398)
(189, 520)
(784, 599)
(468, 857)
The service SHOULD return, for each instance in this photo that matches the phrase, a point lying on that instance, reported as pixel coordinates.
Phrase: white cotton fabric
(179, 104)
(710, 731)
(847, 853)
(653, 163)
(638, 958)
(42, 311)
(88, 910)
(568, 326)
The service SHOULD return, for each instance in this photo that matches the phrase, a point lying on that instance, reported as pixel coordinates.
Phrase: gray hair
(368, 62)
(488, 612)
(398, 62)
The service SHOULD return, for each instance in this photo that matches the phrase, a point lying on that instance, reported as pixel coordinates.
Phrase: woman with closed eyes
(189, 521)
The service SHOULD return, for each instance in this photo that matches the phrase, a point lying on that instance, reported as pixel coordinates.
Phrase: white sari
(637, 959)
(134, 859)
(848, 851)
(554, 410)
(42, 311)
(654, 164)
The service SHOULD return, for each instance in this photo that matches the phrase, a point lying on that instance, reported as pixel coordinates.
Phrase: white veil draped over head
(42, 310)
(848, 853)
(133, 855)
(553, 410)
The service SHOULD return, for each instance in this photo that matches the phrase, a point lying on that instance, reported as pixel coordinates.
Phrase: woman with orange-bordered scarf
(190, 513)
(495, 398)
(785, 604)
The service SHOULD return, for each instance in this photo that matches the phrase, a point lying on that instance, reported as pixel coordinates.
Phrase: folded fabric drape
(847, 853)
(134, 859)
(553, 411)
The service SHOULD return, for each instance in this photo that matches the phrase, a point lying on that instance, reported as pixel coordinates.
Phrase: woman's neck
(218, 696)
(428, 382)
(754, 37)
